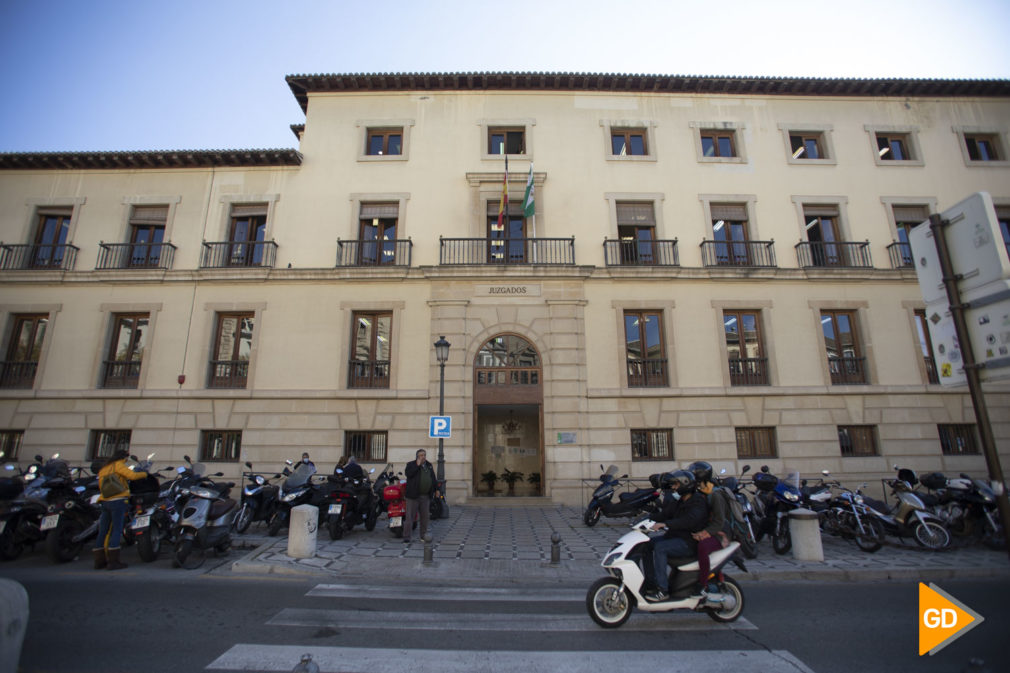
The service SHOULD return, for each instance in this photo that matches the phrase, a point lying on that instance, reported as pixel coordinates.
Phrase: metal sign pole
(950, 278)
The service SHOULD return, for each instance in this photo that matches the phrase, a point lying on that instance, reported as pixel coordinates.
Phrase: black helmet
(701, 470)
(681, 481)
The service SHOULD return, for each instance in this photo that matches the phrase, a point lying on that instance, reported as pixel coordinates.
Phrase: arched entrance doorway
(508, 416)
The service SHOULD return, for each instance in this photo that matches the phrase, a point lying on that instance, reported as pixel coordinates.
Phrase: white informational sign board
(979, 256)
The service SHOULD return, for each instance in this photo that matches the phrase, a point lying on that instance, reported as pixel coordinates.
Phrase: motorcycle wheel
(994, 539)
(275, 524)
(244, 518)
(607, 604)
(10, 548)
(873, 539)
(372, 518)
(782, 540)
(732, 608)
(149, 543)
(60, 545)
(931, 535)
(185, 556)
(336, 527)
(592, 516)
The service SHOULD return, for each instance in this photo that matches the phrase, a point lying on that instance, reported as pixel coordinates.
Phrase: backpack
(733, 507)
(112, 485)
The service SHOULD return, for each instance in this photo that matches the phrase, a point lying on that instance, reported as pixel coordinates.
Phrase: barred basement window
(10, 444)
(366, 446)
(858, 440)
(958, 439)
(755, 443)
(104, 443)
(652, 444)
(220, 446)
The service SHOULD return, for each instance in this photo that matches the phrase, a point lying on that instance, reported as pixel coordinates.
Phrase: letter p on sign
(942, 619)
(439, 427)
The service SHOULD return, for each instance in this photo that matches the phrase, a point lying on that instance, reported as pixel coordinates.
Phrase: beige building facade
(713, 268)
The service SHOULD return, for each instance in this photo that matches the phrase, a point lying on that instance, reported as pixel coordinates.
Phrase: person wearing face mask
(681, 515)
(306, 461)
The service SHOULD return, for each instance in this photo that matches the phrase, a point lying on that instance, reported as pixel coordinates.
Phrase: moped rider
(713, 537)
(683, 514)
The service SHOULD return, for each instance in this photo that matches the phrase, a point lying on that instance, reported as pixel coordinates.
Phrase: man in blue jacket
(421, 484)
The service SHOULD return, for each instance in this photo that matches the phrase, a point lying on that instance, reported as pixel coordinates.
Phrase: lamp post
(442, 355)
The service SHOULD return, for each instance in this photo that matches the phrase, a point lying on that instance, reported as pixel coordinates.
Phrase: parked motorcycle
(259, 500)
(152, 516)
(394, 497)
(779, 498)
(206, 513)
(72, 510)
(610, 600)
(967, 507)
(351, 502)
(849, 517)
(909, 516)
(22, 517)
(296, 489)
(628, 504)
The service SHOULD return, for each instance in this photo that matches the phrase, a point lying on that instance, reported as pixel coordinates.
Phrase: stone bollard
(806, 535)
(302, 531)
(13, 623)
(427, 549)
(555, 548)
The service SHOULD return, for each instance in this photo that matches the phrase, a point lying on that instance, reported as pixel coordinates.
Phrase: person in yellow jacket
(114, 508)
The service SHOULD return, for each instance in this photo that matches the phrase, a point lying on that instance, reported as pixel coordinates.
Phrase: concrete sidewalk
(500, 545)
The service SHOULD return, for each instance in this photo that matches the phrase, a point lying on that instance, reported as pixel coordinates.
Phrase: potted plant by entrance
(490, 478)
(511, 478)
(534, 479)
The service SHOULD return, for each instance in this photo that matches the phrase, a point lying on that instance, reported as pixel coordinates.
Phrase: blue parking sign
(439, 427)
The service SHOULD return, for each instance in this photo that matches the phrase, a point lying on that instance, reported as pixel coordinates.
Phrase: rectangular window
(646, 349)
(628, 142)
(894, 147)
(906, 218)
(506, 140)
(370, 350)
(220, 446)
(506, 240)
(983, 147)
(126, 350)
(384, 142)
(366, 446)
(636, 229)
(147, 233)
(926, 347)
(807, 145)
(755, 443)
(731, 235)
(377, 233)
(10, 444)
(229, 367)
(104, 443)
(858, 440)
(23, 351)
(958, 439)
(841, 341)
(652, 444)
(718, 143)
(50, 244)
(748, 365)
(247, 235)
(825, 242)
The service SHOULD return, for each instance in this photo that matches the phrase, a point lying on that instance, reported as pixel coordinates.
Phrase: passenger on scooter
(713, 537)
(682, 515)
(352, 470)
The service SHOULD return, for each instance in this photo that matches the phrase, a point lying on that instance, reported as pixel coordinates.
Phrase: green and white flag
(529, 208)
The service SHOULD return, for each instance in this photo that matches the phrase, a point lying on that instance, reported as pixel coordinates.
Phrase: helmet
(681, 481)
(701, 470)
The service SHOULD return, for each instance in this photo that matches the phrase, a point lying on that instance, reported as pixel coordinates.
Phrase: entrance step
(509, 501)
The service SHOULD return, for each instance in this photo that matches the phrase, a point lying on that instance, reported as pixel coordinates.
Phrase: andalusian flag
(529, 207)
(504, 204)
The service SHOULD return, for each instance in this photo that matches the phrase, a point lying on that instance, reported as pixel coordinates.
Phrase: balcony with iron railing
(31, 256)
(931, 374)
(121, 374)
(228, 374)
(374, 253)
(368, 374)
(518, 251)
(748, 371)
(231, 254)
(647, 373)
(836, 254)
(738, 253)
(135, 256)
(640, 253)
(19, 375)
(847, 371)
(901, 255)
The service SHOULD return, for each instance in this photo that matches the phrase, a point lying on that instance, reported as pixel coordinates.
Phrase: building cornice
(149, 159)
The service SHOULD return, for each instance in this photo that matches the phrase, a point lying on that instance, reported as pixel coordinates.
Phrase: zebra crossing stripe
(482, 594)
(245, 657)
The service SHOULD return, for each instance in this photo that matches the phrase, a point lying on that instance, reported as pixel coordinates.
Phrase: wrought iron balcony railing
(230, 254)
(649, 373)
(374, 253)
(748, 371)
(228, 374)
(931, 374)
(847, 371)
(484, 251)
(135, 256)
(838, 254)
(30, 256)
(368, 374)
(19, 375)
(121, 374)
(901, 255)
(738, 253)
(640, 253)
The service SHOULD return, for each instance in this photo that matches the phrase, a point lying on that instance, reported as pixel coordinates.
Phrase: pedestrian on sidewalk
(113, 483)
(421, 484)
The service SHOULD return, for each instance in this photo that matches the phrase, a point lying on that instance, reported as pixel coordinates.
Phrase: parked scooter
(610, 600)
(205, 520)
(351, 502)
(73, 509)
(394, 497)
(967, 506)
(909, 516)
(259, 500)
(21, 519)
(628, 504)
(152, 519)
(779, 498)
(296, 490)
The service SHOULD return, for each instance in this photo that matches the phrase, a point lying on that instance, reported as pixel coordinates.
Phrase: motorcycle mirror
(134, 458)
(746, 469)
(289, 462)
(248, 464)
(803, 482)
(371, 471)
(764, 468)
(965, 476)
(218, 474)
(624, 476)
(277, 476)
(895, 466)
(38, 458)
(188, 459)
(722, 471)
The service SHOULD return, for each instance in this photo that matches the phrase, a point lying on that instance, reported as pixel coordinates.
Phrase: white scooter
(611, 599)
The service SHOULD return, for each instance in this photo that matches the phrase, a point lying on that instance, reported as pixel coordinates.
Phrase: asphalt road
(155, 619)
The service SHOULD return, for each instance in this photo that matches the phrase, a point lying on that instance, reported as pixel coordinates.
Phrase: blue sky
(137, 75)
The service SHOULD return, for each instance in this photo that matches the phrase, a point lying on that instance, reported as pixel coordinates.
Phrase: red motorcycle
(396, 504)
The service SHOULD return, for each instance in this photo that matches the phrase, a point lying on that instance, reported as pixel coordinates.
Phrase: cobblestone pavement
(508, 544)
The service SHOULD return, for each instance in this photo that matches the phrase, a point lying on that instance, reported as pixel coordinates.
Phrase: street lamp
(442, 355)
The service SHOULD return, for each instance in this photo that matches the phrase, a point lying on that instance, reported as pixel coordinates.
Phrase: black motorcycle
(967, 506)
(21, 519)
(296, 489)
(351, 502)
(259, 500)
(627, 505)
(72, 515)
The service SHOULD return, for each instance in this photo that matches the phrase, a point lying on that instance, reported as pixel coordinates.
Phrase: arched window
(507, 360)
